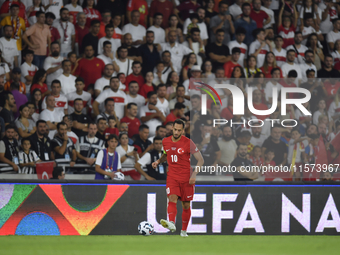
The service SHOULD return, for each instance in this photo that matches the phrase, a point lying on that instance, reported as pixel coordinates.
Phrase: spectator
(334, 35)
(67, 33)
(105, 80)
(158, 173)
(52, 65)
(217, 51)
(128, 157)
(109, 164)
(53, 8)
(328, 71)
(279, 147)
(19, 98)
(50, 17)
(202, 27)
(63, 146)
(257, 138)
(134, 97)
(168, 67)
(180, 98)
(142, 7)
(9, 48)
(91, 11)
(260, 46)
(298, 48)
(235, 9)
(79, 93)
(80, 121)
(149, 53)
(38, 82)
(28, 70)
(261, 18)
(124, 129)
(162, 102)
(114, 93)
(195, 44)
(131, 119)
(184, 9)
(222, 21)
(280, 54)
(238, 43)
(74, 9)
(169, 128)
(91, 38)
(39, 36)
(307, 65)
(27, 158)
(135, 75)
(177, 113)
(60, 99)
(109, 33)
(141, 142)
(148, 85)
(178, 51)
(116, 7)
(291, 65)
(101, 126)
(14, 20)
(160, 132)
(109, 111)
(133, 52)
(40, 142)
(67, 80)
(16, 77)
(151, 115)
(227, 146)
(8, 103)
(159, 33)
(137, 31)
(81, 29)
(107, 20)
(191, 60)
(9, 148)
(241, 162)
(269, 64)
(58, 173)
(123, 62)
(90, 68)
(164, 7)
(89, 146)
(247, 22)
(51, 115)
(25, 126)
(229, 66)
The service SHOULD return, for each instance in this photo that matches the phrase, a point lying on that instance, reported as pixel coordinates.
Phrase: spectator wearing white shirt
(50, 114)
(28, 70)
(178, 51)
(266, 8)
(108, 57)
(201, 25)
(334, 108)
(309, 28)
(162, 102)
(259, 47)
(156, 28)
(308, 65)
(334, 34)
(52, 64)
(109, 31)
(114, 93)
(195, 43)
(67, 32)
(9, 48)
(235, 9)
(61, 104)
(135, 29)
(104, 81)
(291, 65)
(55, 8)
(134, 97)
(67, 80)
(123, 62)
(273, 83)
(298, 48)
(240, 35)
(151, 115)
(280, 54)
(79, 93)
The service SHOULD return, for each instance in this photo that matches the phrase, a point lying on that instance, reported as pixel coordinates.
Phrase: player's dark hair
(179, 122)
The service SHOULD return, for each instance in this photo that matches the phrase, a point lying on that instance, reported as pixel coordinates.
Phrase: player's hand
(192, 180)
(155, 164)
(149, 178)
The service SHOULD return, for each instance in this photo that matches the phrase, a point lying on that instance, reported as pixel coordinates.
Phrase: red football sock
(186, 214)
(172, 211)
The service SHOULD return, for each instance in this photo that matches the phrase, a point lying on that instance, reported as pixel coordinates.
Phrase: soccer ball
(119, 176)
(145, 228)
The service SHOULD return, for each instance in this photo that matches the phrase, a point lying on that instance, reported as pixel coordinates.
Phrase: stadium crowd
(75, 73)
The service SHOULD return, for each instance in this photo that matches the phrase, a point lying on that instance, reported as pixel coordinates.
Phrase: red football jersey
(178, 157)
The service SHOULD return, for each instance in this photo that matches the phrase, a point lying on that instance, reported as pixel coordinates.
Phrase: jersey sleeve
(99, 159)
(193, 147)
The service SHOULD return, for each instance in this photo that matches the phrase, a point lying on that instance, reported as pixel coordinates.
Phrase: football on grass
(145, 228)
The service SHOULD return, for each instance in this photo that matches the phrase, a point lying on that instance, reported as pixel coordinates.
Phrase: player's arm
(200, 162)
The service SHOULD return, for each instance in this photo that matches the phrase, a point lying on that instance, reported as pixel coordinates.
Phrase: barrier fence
(106, 208)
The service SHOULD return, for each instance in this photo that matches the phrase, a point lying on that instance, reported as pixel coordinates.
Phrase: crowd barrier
(116, 208)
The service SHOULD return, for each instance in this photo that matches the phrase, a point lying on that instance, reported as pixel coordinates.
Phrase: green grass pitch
(169, 244)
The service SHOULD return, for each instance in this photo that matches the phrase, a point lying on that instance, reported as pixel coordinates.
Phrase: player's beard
(179, 136)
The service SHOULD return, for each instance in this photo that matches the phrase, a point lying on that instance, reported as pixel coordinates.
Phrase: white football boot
(184, 233)
(169, 225)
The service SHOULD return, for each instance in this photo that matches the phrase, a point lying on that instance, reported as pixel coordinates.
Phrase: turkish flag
(44, 170)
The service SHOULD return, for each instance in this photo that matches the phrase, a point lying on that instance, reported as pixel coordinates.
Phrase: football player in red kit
(180, 183)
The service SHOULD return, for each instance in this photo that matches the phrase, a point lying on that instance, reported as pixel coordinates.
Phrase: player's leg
(173, 192)
(186, 214)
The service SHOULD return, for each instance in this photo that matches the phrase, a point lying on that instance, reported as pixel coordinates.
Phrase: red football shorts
(183, 190)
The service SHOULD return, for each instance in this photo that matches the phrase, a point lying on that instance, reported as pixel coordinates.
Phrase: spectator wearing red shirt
(112, 127)
(230, 65)
(115, 21)
(163, 6)
(142, 7)
(90, 68)
(258, 105)
(258, 15)
(91, 12)
(50, 17)
(177, 113)
(135, 75)
(131, 119)
(148, 86)
(185, 9)
(286, 27)
(269, 65)
(81, 29)
(38, 82)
